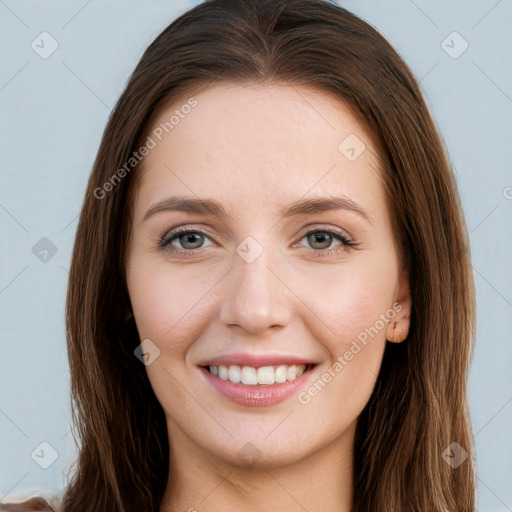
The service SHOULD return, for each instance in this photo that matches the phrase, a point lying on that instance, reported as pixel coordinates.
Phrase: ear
(398, 327)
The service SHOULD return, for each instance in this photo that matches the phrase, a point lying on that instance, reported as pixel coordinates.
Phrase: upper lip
(256, 360)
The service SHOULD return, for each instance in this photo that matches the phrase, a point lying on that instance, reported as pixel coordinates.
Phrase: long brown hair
(419, 404)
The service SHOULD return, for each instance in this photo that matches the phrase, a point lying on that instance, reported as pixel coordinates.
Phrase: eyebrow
(213, 208)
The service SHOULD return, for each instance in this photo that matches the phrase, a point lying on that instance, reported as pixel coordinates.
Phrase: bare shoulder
(31, 505)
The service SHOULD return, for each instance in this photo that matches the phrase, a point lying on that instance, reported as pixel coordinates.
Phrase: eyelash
(165, 241)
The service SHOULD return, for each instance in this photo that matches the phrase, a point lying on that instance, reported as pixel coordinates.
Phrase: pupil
(323, 238)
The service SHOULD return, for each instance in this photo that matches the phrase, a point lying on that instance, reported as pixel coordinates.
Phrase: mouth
(258, 386)
(260, 375)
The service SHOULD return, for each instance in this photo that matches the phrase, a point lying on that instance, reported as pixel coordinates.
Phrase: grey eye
(323, 238)
(191, 240)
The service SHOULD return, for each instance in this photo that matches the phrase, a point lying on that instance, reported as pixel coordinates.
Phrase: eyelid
(313, 228)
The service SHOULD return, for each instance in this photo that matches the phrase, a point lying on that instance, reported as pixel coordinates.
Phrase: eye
(184, 240)
(323, 239)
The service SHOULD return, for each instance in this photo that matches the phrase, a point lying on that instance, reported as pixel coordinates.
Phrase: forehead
(260, 144)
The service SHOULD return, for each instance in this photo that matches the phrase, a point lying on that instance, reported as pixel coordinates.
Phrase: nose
(257, 297)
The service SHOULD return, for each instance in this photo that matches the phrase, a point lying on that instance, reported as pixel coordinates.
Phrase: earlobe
(398, 328)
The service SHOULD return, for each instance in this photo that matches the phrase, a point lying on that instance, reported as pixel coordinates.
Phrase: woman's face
(289, 261)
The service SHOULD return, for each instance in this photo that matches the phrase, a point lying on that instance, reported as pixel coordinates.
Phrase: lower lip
(260, 395)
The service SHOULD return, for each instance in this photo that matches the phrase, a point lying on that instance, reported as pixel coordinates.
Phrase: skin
(255, 149)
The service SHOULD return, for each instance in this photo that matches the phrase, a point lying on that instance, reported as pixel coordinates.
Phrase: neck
(200, 481)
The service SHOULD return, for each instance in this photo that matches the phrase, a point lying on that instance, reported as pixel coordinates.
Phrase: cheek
(170, 308)
(350, 306)
(344, 383)
(347, 299)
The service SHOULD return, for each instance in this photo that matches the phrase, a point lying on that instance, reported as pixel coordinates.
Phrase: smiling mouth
(262, 375)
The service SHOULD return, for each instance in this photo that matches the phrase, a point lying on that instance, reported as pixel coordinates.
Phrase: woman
(309, 350)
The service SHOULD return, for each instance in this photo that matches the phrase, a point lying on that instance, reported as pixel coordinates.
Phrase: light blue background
(53, 112)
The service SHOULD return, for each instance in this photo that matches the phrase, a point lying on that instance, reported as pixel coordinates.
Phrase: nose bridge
(256, 298)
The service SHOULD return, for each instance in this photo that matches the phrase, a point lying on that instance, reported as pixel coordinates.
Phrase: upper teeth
(263, 375)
